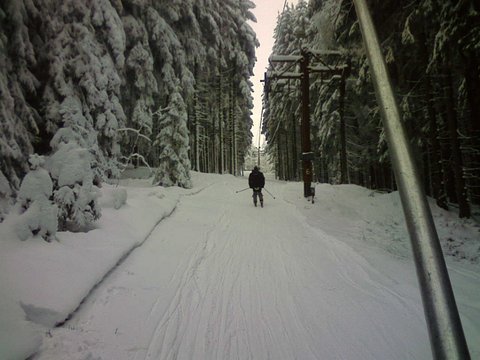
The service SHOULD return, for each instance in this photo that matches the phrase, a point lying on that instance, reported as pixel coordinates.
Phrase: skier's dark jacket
(256, 179)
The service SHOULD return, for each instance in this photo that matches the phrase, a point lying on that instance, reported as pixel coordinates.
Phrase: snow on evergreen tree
(284, 108)
(328, 130)
(5, 194)
(180, 17)
(18, 118)
(322, 26)
(101, 68)
(73, 167)
(85, 52)
(237, 57)
(169, 54)
(172, 140)
(138, 91)
(74, 192)
(38, 216)
(107, 21)
(173, 81)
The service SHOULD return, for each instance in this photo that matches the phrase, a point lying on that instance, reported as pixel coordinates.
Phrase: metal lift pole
(447, 339)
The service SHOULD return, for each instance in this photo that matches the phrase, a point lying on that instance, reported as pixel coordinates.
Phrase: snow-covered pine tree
(436, 87)
(282, 119)
(139, 89)
(328, 134)
(38, 216)
(172, 141)
(175, 82)
(236, 57)
(180, 17)
(78, 58)
(168, 50)
(18, 118)
(85, 45)
(72, 168)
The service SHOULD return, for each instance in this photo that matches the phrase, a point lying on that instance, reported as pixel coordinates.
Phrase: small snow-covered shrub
(71, 168)
(37, 213)
(120, 198)
(113, 198)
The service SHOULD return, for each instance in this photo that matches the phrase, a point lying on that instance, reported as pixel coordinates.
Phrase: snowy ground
(202, 274)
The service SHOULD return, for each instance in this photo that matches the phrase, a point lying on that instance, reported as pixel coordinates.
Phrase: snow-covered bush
(38, 214)
(113, 198)
(120, 198)
(71, 168)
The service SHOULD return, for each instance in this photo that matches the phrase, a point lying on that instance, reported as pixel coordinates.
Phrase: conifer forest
(91, 87)
(432, 51)
(94, 86)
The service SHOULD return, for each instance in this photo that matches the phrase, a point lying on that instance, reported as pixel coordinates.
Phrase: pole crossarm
(285, 58)
(328, 69)
(327, 52)
(285, 75)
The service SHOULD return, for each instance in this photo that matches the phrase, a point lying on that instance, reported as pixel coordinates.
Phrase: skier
(256, 181)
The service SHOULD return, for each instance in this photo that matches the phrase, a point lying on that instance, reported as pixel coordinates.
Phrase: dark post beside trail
(447, 338)
(343, 137)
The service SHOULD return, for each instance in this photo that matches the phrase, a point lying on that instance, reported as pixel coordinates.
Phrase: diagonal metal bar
(447, 339)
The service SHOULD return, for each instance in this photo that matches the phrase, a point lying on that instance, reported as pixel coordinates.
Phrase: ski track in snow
(249, 283)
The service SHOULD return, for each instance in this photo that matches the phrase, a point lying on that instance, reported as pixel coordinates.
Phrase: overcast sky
(266, 12)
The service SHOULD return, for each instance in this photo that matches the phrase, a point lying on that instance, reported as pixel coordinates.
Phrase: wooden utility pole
(305, 69)
(343, 137)
(307, 155)
(259, 135)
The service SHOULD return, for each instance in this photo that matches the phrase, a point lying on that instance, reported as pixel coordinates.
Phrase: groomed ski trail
(221, 279)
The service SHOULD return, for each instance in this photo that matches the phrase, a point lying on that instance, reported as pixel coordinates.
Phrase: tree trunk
(294, 149)
(464, 208)
(472, 82)
(234, 136)
(230, 111)
(220, 123)
(434, 146)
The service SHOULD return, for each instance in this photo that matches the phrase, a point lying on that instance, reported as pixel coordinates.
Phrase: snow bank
(377, 219)
(19, 338)
(373, 224)
(43, 283)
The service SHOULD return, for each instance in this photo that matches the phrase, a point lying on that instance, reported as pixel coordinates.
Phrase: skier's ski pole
(241, 190)
(269, 193)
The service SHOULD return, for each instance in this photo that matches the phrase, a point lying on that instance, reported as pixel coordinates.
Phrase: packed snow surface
(206, 275)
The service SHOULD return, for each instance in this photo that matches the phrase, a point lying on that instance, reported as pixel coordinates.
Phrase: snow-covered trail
(220, 279)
